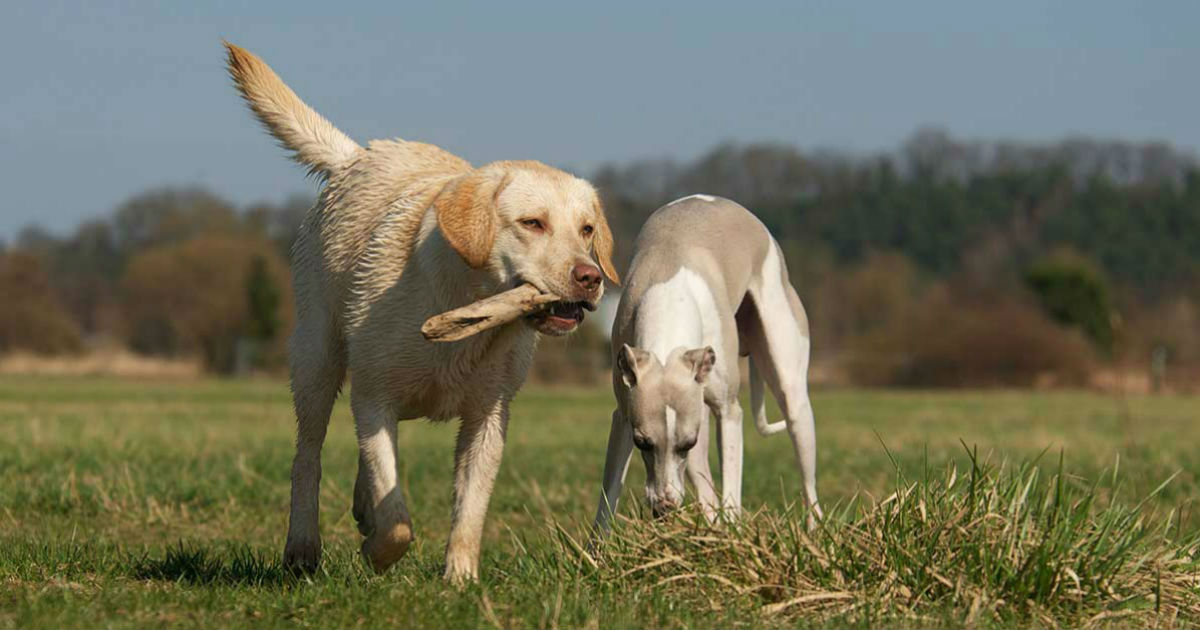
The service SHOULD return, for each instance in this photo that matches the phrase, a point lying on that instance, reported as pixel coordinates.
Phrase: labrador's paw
(382, 549)
(302, 555)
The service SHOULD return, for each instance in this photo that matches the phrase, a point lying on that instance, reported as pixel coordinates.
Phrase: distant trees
(32, 318)
(1133, 208)
(976, 223)
(264, 319)
(939, 263)
(202, 296)
(173, 272)
(1074, 294)
(171, 215)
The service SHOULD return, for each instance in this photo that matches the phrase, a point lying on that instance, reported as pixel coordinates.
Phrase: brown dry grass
(105, 362)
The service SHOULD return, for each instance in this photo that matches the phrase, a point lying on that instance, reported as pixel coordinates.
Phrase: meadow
(164, 503)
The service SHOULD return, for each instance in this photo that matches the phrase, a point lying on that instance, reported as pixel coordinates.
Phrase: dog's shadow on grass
(216, 565)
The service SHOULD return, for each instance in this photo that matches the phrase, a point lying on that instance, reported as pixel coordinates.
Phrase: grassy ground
(164, 504)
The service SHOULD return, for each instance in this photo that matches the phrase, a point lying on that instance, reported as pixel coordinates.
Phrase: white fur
(793, 353)
(781, 323)
(676, 480)
(708, 198)
(678, 313)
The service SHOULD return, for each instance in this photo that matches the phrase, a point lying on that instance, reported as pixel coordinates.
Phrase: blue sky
(101, 102)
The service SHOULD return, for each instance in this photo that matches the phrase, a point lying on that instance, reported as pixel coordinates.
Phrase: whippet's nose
(663, 507)
(587, 276)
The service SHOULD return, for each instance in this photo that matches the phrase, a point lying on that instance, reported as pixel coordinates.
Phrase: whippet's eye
(533, 224)
(587, 230)
(642, 443)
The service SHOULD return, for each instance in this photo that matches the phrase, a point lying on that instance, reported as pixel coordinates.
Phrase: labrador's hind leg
(318, 366)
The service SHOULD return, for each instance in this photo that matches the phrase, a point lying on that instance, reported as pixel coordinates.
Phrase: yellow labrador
(403, 231)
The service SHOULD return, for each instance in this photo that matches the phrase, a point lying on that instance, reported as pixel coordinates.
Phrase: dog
(707, 285)
(402, 231)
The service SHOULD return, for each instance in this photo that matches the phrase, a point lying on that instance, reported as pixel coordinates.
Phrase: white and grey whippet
(707, 284)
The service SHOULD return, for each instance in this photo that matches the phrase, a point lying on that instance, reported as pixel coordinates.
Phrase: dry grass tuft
(989, 546)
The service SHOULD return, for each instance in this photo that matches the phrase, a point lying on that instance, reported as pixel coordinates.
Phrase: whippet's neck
(674, 314)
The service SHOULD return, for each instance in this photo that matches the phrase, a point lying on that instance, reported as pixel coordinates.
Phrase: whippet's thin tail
(314, 141)
(758, 404)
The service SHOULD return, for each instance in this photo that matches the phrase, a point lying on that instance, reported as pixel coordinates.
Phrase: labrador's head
(664, 404)
(527, 222)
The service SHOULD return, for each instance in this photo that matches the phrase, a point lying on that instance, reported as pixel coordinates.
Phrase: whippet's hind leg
(780, 347)
(786, 374)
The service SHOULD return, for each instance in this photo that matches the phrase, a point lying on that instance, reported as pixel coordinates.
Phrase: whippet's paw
(302, 555)
(461, 570)
(382, 549)
(813, 518)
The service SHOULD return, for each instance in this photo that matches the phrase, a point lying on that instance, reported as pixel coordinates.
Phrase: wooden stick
(485, 314)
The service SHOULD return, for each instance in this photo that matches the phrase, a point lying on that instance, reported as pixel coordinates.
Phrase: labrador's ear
(603, 242)
(631, 362)
(467, 215)
(701, 361)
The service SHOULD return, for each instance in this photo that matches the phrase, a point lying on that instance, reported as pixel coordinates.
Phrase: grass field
(164, 504)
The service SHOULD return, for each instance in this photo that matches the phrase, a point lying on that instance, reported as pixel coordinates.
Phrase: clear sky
(102, 100)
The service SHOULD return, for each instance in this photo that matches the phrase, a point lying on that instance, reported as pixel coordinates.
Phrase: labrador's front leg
(476, 461)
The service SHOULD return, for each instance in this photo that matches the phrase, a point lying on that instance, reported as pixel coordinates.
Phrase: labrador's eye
(533, 224)
(587, 230)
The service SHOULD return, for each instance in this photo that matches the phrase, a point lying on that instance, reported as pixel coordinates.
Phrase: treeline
(173, 273)
(969, 263)
(942, 263)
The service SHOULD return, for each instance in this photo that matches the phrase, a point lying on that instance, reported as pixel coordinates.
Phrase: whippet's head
(664, 404)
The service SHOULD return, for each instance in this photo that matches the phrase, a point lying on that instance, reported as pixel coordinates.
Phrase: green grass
(161, 504)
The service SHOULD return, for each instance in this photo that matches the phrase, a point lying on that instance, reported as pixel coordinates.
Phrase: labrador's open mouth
(560, 318)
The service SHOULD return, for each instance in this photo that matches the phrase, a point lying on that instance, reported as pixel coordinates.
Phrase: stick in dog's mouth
(545, 312)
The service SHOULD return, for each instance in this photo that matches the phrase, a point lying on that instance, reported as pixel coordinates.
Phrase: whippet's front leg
(476, 462)
(729, 436)
(700, 474)
(616, 464)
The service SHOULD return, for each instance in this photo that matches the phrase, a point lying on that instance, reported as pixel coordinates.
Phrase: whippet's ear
(603, 243)
(628, 363)
(701, 361)
(467, 215)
